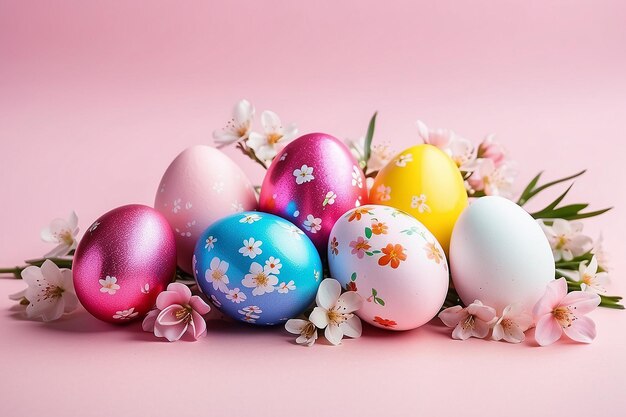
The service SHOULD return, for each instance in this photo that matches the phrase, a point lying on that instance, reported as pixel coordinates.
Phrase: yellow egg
(424, 182)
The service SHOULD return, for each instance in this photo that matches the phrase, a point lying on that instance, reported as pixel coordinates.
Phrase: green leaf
(560, 198)
(379, 301)
(368, 232)
(374, 292)
(559, 213)
(589, 214)
(375, 251)
(367, 147)
(526, 193)
(369, 253)
(353, 276)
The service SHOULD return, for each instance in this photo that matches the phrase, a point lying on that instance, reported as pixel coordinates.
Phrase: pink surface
(96, 100)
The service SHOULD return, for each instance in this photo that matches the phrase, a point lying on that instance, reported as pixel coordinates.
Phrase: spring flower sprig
(334, 314)
(260, 147)
(61, 232)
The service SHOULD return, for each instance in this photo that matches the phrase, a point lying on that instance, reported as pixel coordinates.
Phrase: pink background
(97, 99)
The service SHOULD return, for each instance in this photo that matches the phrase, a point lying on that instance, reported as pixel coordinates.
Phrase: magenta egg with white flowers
(311, 183)
(126, 258)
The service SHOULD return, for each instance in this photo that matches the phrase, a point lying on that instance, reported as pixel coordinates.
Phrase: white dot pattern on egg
(393, 262)
(200, 186)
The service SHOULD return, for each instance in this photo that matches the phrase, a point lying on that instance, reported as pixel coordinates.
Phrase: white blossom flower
(600, 253)
(380, 154)
(236, 296)
(63, 233)
(265, 144)
(357, 177)
(126, 314)
(210, 243)
(512, 324)
(216, 274)
(109, 285)
(335, 311)
(250, 218)
(493, 180)
(145, 289)
(419, 202)
(285, 287)
(50, 291)
(566, 239)
(176, 205)
(438, 137)
(590, 279)
(312, 224)
(316, 274)
(251, 248)
(475, 320)
(304, 174)
(304, 328)
(272, 265)
(238, 128)
(259, 280)
(252, 310)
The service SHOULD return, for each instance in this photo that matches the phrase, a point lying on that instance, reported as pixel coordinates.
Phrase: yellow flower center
(183, 314)
(52, 291)
(561, 242)
(217, 275)
(468, 323)
(274, 138)
(336, 317)
(261, 279)
(564, 316)
(66, 237)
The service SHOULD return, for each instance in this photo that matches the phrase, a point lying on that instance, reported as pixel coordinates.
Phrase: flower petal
(176, 293)
(555, 291)
(581, 302)
(319, 317)
(270, 121)
(333, 334)
(148, 322)
(349, 301)
(547, 330)
(171, 333)
(498, 332)
(295, 326)
(451, 316)
(51, 272)
(352, 327)
(461, 333)
(328, 293)
(199, 325)
(199, 305)
(583, 329)
(55, 310)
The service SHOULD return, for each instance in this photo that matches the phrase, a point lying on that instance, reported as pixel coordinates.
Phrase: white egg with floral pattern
(393, 262)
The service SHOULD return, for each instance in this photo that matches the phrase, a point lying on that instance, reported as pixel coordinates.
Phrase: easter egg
(199, 187)
(499, 255)
(393, 262)
(424, 182)
(312, 182)
(257, 267)
(124, 260)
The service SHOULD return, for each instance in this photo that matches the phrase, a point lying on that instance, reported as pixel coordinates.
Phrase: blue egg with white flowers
(257, 267)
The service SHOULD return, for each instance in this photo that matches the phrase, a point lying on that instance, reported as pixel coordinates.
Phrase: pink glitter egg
(126, 258)
(200, 186)
(311, 183)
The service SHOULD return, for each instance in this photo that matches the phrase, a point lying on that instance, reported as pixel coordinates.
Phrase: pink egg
(126, 258)
(311, 183)
(200, 186)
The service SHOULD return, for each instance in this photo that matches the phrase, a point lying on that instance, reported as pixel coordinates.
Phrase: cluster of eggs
(263, 262)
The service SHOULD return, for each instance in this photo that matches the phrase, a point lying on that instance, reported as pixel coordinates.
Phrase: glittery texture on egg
(311, 183)
(200, 186)
(124, 260)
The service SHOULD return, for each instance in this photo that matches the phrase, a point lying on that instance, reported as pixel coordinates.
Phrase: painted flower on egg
(263, 271)
(312, 183)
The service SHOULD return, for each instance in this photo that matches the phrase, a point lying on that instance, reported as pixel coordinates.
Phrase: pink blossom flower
(490, 149)
(360, 246)
(512, 325)
(473, 321)
(558, 312)
(177, 312)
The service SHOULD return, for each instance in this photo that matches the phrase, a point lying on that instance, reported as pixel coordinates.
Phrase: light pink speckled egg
(126, 258)
(393, 262)
(311, 183)
(200, 186)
